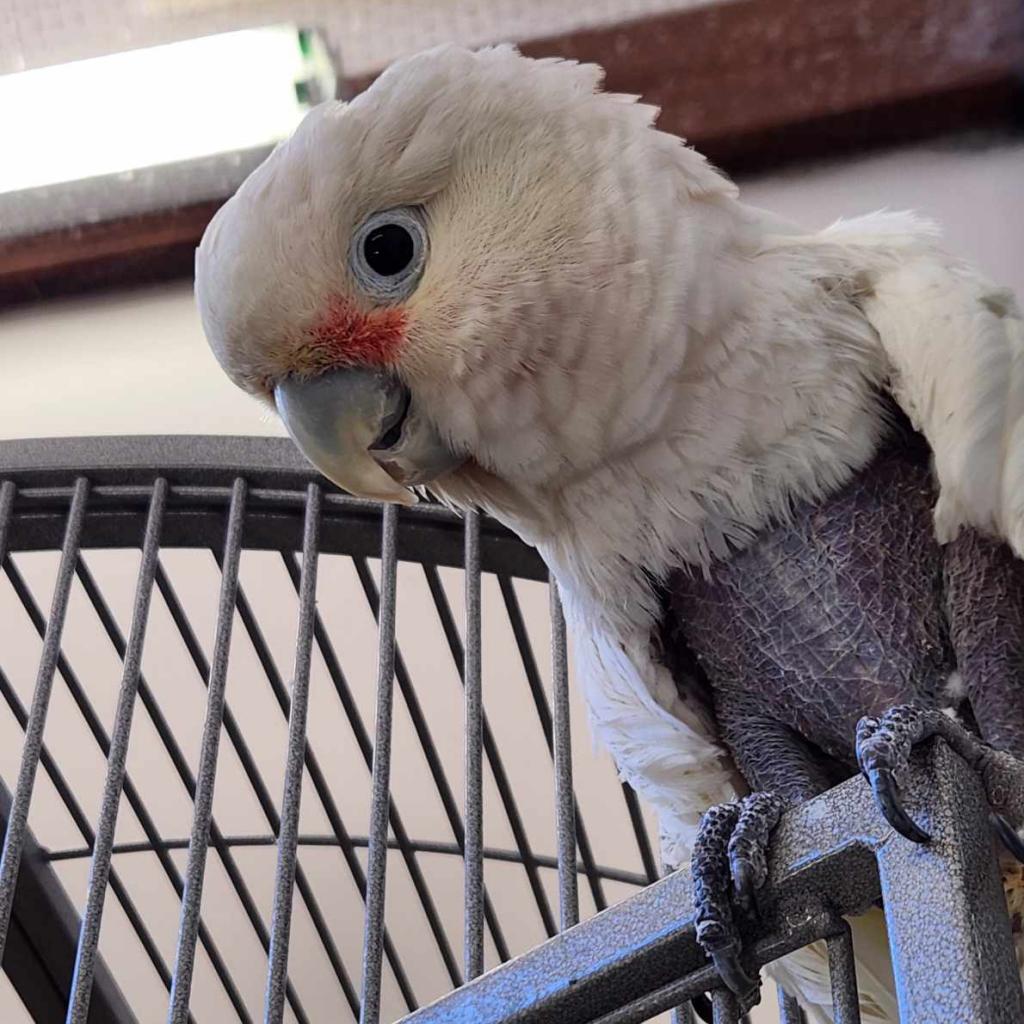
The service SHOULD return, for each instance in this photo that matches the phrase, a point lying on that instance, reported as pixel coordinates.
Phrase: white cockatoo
(485, 276)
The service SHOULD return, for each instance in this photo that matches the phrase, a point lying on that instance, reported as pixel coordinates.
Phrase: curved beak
(361, 429)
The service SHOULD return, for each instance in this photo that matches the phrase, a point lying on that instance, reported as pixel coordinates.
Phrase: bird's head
(471, 268)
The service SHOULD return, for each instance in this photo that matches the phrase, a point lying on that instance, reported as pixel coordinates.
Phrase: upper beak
(362, 430)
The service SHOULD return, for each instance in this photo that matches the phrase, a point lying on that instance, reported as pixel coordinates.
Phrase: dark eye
(389, 249)
(388, 253)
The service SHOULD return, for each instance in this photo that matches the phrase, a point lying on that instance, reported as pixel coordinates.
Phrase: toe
(744, 882)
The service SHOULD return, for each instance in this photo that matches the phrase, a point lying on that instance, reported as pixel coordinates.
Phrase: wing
(956, 346)
(952, 345)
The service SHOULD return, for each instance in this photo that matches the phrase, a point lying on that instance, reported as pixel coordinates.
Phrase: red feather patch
(345, 334)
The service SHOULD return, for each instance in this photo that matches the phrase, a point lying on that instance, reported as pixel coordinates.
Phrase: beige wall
(137, 363)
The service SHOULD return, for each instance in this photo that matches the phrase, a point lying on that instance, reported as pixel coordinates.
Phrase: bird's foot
(883, 753)
(729, 865)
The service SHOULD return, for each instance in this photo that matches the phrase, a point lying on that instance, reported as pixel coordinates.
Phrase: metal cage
(635, 959)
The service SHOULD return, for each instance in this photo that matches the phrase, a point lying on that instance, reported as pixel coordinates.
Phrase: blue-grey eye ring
(388, 253)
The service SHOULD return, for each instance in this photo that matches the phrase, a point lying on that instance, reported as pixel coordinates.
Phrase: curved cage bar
(401, 834)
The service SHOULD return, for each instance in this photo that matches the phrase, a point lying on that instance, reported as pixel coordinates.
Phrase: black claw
(743, 883)
(702, 1007)
(883, 785)
(1008, 834)
(727, 963)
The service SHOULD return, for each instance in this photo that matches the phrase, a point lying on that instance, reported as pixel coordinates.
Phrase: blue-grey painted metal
(789, 1009)
(945, 909)
(473, 857)
(376, 873)
(565, 802)
(724, 1008)
(824, 854)
(648, 1006)
(287, 843)
(99, 871)
(188, 929)
(843, 977)
(17, 819)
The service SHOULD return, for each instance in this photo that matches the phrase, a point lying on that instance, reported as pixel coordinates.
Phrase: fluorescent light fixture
(161, 105)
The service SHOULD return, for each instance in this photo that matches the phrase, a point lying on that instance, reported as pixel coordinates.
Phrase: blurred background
(125, 123)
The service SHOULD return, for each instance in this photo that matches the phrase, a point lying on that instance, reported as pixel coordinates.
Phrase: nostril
(392, 431)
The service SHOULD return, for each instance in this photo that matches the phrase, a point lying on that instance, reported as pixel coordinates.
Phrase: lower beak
(361, 429)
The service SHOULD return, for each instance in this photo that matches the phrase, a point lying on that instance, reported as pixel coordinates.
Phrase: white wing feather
(954, 343)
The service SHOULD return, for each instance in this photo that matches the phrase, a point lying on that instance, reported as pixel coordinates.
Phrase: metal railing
(831, 858)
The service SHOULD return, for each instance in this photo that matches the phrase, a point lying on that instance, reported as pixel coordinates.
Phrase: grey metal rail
(832, 857)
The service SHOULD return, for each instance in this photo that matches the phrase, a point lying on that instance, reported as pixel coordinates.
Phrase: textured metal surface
(843, 976)
(188, 932)
(831, 857)
(280, 922)
(945, 906)
(473, 859)
(7, 492)
(17, 818)
(202, 667)
(527, 857)
(724, 1009)
(380, 794)
(196, 480)
(99, 871)
(565, 804)
(823, 865)
(789, 1009)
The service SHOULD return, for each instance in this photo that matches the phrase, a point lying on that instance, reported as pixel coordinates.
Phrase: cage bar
(494, 760)
(433, 759)
(540, 703)
(17, 819)
(376, 876)
(198, 847)
(789, 1009)
(50, 917)
(155, 843)
(473, 862)
(7, 493)
(565, 803)
(724, 1008)
(843, 977)
(99, 872)
(280, 922)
